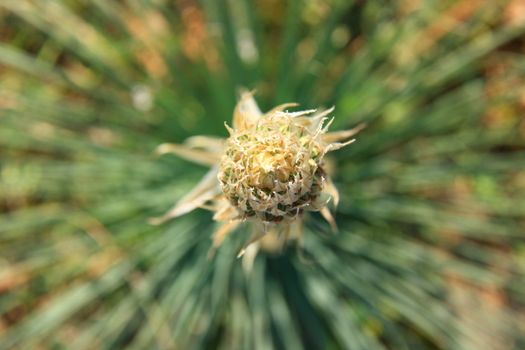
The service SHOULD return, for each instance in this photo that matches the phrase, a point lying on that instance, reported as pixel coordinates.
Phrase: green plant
(431, 219)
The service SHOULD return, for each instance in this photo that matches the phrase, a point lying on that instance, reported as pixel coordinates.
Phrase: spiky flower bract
(430, 247)
(272, 170)
(269, 170)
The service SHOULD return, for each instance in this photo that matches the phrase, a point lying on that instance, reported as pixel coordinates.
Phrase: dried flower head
(272, 171)
(269, 171)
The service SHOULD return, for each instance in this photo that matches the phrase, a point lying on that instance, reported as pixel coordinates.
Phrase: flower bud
(273, 170)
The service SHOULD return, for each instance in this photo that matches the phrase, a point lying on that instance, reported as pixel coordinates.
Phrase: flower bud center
(273, 170)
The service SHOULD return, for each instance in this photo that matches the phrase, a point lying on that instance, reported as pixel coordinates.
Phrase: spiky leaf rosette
(429, 252)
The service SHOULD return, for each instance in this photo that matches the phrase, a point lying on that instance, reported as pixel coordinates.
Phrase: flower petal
(223, 231)
(327, 215)
(338, 145)
(259, 231)
(297, 114)
(198, 156)
(331, 190)
(209, 143)
(342, 135)
(246, 113)
(225, 211)
(313, 122)
(282, 107)
(205, 190)
(249, 255)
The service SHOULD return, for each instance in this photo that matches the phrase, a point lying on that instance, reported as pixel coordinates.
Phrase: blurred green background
(431, 249)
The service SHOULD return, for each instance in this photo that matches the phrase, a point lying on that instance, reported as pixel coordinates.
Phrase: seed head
(270, 170)
(273, 170)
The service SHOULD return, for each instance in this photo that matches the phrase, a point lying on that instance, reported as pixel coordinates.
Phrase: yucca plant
(429, 252)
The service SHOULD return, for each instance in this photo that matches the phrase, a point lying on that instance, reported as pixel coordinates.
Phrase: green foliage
(430, 252)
